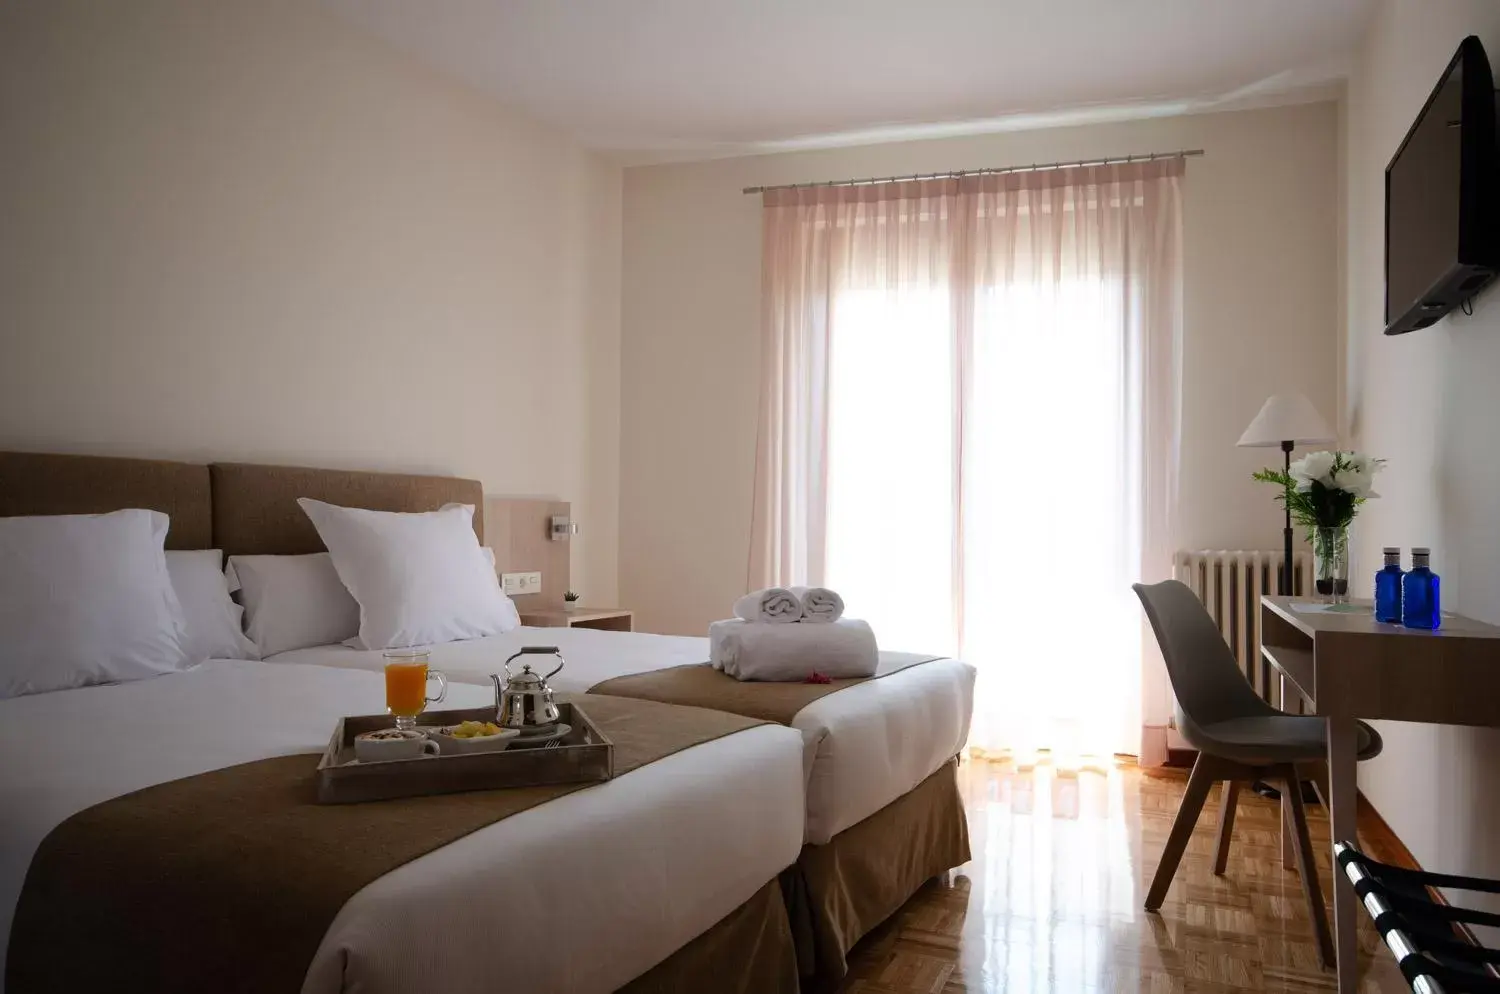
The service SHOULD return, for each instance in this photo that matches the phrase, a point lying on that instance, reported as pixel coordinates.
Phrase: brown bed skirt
(836, 893)
(749, 951)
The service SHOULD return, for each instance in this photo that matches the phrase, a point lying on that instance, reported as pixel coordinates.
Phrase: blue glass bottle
(1388, 588)
(1421, 605)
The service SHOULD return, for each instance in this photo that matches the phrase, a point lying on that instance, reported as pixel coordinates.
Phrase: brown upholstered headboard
(255, 508)
(43, 483)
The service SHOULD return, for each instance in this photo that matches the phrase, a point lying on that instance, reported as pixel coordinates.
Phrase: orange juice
(405, 689)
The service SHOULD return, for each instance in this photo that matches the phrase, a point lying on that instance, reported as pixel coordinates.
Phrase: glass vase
(1331, 563)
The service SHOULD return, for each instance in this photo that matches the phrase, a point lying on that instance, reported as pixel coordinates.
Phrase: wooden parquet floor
(1051, 902)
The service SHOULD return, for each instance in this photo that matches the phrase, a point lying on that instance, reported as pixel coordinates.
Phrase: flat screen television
(1442, 199)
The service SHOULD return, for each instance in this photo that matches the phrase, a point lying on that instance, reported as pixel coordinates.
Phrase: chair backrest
(1205, 677)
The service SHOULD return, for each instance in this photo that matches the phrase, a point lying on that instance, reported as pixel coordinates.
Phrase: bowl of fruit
(472, 736)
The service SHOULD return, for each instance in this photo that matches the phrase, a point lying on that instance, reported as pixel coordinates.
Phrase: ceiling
(651, 80)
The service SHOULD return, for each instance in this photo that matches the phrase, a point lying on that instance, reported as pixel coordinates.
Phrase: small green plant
(570, 597)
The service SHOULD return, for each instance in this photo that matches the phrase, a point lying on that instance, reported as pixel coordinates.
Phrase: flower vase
(1331, 563)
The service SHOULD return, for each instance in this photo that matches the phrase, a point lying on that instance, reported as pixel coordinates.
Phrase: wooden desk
(1349, 666)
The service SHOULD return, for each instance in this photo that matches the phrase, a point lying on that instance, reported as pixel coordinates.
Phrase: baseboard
(1183, 758)
(1381, 843)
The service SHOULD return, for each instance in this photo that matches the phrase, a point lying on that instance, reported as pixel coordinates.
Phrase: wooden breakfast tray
(584, 755)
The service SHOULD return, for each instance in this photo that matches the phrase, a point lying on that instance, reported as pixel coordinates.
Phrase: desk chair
(1239, 738)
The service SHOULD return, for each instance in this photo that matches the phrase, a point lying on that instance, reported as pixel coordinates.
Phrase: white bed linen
(592, 655)
(865, 746)
(615, 877)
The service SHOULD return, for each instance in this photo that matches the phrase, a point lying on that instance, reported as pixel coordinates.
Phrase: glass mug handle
(442, 680)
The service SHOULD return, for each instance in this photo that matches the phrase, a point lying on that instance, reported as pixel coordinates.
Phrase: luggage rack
(1421, 932)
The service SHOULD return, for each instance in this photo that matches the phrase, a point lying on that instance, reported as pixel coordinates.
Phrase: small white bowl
(453, 746)
(388, 744)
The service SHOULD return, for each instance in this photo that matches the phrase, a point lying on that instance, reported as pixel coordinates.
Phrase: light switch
(520, 584)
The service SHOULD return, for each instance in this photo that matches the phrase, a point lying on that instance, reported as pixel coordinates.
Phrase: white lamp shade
(1287, 417)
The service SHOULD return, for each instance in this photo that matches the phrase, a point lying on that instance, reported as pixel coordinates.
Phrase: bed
(882, 811)
(652, 881)
(864, 746)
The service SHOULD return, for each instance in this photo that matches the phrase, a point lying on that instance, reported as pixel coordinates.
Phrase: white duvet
(612, 879)
(864, 746)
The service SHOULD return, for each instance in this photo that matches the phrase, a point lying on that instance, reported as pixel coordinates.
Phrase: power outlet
(518, 584)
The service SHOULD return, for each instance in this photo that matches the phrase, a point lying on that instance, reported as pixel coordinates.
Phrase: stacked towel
(819, 603)
(772, 606)
(754, 650)
(782, 605)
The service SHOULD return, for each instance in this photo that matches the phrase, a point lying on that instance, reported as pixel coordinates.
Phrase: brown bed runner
(699, 685)
(227, 881)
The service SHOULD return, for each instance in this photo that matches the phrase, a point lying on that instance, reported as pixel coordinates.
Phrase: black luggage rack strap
(1420, 932)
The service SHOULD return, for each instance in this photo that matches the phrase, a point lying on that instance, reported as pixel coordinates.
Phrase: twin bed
(865, 746)
(537, 898)
(751, 858)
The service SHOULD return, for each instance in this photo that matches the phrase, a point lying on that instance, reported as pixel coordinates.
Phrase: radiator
(1230, 584)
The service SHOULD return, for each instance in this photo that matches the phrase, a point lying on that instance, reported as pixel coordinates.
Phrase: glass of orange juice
(406, 676)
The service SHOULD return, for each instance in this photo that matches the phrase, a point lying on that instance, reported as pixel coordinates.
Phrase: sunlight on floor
(1052, 900)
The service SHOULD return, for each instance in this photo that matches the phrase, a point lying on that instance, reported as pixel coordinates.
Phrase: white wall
(1429, 402)
(1262, 309)
(245, 230)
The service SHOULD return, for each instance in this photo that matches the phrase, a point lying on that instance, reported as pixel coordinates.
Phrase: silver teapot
(524, 701)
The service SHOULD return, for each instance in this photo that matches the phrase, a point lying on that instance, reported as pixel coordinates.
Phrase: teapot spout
(499, 691)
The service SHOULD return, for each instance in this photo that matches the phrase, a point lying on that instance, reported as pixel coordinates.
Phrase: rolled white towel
(819, 603)
(774, 605)
(749, 650)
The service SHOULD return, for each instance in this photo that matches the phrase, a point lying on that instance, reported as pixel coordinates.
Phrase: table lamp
(1287, 420)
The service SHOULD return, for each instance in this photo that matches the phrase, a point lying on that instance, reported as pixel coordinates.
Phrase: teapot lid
(527, 679)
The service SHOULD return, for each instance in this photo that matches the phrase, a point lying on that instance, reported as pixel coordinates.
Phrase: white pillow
(213, 618)
(419, 578)
(86, 598)
(292, 602)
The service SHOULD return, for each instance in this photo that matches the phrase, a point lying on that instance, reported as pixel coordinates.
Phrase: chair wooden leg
(1231, 792)
(1288, 858)
(1205, 772)
(1307, 869)
(1291, 702)
(1318, 774)
(1288, 836)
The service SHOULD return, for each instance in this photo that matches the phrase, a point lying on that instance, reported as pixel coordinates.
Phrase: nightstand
(608, 619)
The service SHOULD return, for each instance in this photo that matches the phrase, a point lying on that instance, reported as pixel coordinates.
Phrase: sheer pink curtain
(820, 247)
(969, 426)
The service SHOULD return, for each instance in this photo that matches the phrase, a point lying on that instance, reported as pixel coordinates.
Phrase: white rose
(1358, 474)
(1315, 466)
(1355, 482)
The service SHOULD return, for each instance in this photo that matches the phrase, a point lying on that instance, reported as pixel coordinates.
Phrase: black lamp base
(1286, 586)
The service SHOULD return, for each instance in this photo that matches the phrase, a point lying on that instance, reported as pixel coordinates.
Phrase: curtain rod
(1034, 167)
